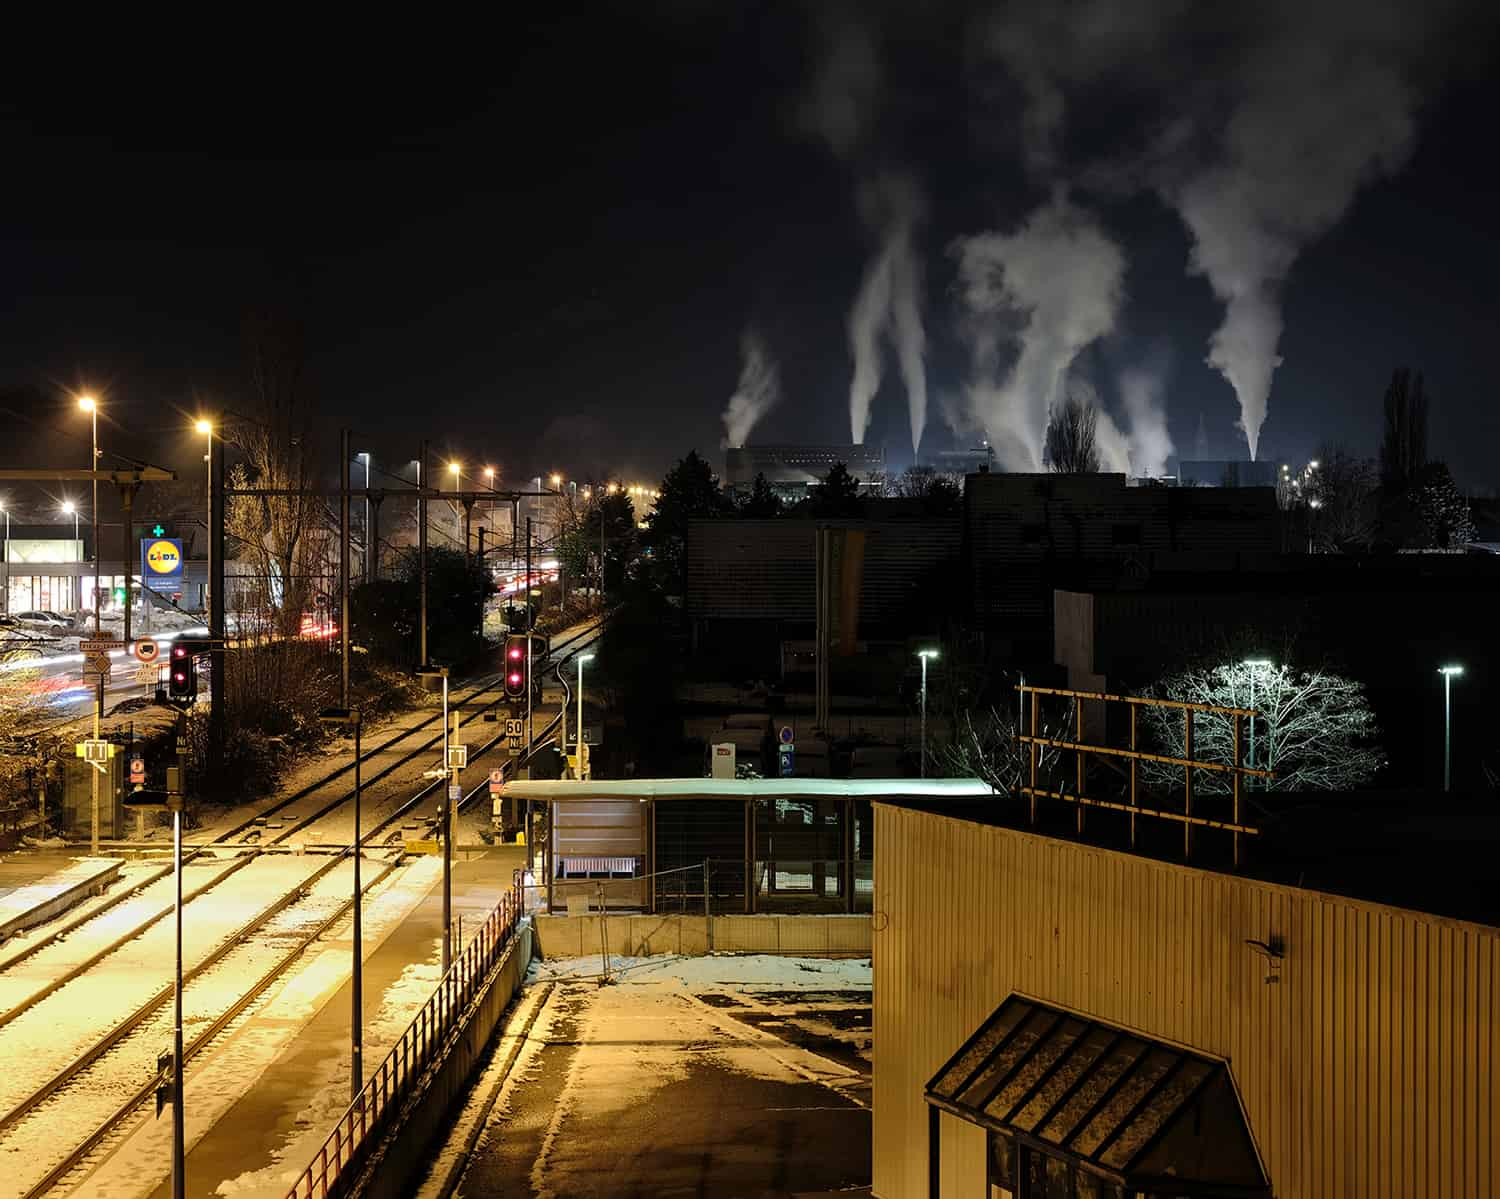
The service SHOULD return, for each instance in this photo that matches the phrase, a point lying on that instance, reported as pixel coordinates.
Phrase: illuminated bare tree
(984, 746)
(1316, 729)
(271, 532)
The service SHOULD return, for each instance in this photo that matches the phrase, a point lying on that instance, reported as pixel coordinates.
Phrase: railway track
(225, 839)
(137, 1033)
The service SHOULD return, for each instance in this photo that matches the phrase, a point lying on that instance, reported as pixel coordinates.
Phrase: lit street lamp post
(1448, 672)
(349, 718)
(925, 654)
(207, 429)
(5, 595)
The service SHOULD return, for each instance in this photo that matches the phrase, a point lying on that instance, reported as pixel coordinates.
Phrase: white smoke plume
(758, 391)
(1275, 115)
(888, 305)
(1059, 276)
(1310, 128)
(841, 104)
(1142, 395)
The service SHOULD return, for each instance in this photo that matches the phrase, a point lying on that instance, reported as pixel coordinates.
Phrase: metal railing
(368, 1116)
(1035, 742)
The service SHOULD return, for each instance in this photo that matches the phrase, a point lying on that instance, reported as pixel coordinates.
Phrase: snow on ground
(50, 1033)
(310, 768)
(237, 1063)
(719, 972)
(64, 875)
(327, 1095)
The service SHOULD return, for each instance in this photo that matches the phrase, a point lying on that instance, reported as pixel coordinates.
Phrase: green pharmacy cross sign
(158, 531)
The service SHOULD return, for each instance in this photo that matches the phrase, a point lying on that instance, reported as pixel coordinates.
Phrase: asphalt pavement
(647, 1090)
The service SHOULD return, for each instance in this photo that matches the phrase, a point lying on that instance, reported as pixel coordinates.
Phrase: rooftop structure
(792, 469)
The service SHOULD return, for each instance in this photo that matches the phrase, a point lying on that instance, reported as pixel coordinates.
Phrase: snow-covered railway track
(90, 1090)
(98, 1087)
(228, 837)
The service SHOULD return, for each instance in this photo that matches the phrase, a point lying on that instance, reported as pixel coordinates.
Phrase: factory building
(792, 470)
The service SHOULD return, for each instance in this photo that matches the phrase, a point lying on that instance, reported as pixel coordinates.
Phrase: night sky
(541, 244)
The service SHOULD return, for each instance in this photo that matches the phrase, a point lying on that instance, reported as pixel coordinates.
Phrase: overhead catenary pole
(127, 501)
(422, 556)
(447, 839)
(344, 444)
(93, 410)
(356, 1065)
(218, 690)
(528, 644)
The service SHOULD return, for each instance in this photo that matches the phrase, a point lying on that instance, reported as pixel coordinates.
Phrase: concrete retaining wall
(405, 1155)
(689, 936)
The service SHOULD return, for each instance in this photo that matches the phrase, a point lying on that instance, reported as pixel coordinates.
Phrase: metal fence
(336, 1164)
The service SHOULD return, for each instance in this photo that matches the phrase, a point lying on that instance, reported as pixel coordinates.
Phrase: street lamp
(578, 769)
(349, 718)
(1314, 504)
(1448, 672)
(91, 406)
(207, 429)
(925, 654)
(556, 480)
(1256, 666)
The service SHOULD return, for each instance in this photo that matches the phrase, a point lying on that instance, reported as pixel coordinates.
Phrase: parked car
(50, 621)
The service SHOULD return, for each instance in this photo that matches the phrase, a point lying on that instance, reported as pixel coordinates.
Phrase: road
(60, 678)
(657, 1086)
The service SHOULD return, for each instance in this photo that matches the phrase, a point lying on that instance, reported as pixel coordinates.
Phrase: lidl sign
(161, 563)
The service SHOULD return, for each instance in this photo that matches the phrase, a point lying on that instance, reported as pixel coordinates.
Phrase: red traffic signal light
(182, 681)
(515, 667)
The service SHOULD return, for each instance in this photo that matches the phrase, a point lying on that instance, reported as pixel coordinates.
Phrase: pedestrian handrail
(336, 1162)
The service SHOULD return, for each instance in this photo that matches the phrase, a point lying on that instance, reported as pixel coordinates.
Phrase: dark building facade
(1027, 535)
(792, 470)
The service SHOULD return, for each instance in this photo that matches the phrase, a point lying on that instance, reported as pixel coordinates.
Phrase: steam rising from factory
(1255, 126)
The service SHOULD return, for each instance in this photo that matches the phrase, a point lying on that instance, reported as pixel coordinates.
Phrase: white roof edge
(700, 788)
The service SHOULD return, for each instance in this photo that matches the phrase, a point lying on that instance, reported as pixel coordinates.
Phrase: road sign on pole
(458, 757)
(137, 770)
(147, 650)
(95, 665)
(497, 780)
(148, 673)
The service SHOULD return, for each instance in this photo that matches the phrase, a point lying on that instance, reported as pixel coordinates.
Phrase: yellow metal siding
(1371, 1069)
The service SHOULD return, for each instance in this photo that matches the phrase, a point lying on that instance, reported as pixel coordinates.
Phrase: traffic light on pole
(515, 667)
(182, 682)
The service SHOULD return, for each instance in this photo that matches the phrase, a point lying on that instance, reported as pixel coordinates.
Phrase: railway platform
(38, 887)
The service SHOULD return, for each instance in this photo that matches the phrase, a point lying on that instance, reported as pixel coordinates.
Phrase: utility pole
(450, 779)
(528, 644)
(218, 689)
(422, 556)
(344, 446)
(127, 501)
(179, 1165)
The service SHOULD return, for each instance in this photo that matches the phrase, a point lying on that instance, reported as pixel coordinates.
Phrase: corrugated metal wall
(1371, 1069)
